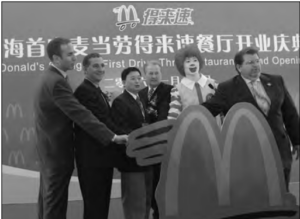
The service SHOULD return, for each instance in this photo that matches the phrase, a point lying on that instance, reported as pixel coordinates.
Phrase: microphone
(209, 96)
(212, 87)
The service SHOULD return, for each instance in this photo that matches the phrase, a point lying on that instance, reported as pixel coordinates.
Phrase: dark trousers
(156, 175)
(287, 175)
(95, 184)
(53, 193)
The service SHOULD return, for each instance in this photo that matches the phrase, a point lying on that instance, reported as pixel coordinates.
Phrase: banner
(128, 34)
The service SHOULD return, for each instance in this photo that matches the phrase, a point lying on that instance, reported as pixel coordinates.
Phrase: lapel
(266, 82)
(105, 98)
(97, 92)
(134, 104)
(144, 94)
(157, 90)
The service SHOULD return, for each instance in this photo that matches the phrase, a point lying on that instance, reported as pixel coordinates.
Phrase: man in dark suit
(266, 92)
(128, 112)
(95, 162)
(56, 109)
(157, 98)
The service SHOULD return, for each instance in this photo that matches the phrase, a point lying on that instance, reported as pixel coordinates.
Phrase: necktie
(140, 105)
(150, 93)
(199, 93)
(262, 100)
(102, 95)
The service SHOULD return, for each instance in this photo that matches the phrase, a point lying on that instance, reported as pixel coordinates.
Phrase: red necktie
(199, 93)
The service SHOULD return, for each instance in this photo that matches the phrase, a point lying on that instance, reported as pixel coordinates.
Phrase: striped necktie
(199, 93)
(261, 97)
(141, 106)
(150, 93)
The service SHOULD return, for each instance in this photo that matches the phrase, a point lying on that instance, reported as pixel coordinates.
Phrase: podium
(212, 172)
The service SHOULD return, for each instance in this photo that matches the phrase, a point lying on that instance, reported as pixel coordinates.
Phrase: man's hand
(296, 150)
(121, 139)
(149, 144)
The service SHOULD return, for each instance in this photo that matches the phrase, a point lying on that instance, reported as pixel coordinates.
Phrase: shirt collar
(132, 94)
(190, 84)
(154, 89)
(248, 81)
(60, 71)
(95, 84)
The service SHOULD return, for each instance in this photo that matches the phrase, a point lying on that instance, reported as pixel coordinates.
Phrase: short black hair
(54, 46)
(239, 57)
(86, 59)
(127, 71)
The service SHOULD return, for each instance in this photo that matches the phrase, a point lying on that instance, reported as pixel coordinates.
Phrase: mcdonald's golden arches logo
(14, 110)
(15, 157)
(5, 135)
(131, 17)
(27, 134)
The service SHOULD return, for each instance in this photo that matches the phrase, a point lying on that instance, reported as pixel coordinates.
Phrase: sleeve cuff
(114, 138)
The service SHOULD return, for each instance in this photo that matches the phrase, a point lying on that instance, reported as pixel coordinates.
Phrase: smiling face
(191, 66)
(95, 70)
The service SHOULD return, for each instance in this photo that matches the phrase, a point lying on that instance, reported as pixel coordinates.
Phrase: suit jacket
(89, 152)
(162, 98)
(282, 117)
(56, 109)
(127, 115)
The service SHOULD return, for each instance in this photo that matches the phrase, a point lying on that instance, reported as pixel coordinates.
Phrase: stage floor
(75, 208)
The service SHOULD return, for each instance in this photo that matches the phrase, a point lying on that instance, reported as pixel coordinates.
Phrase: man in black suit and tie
(56, 109)
(95, 162)
(269, 94)
(157, 98)
(128, 112)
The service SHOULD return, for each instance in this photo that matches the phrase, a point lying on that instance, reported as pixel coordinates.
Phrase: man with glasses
(268, 94)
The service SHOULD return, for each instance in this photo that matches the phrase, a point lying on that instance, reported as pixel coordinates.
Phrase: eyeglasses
(253, 62)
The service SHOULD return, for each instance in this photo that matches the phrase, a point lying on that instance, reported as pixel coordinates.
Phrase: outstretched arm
(175, 104)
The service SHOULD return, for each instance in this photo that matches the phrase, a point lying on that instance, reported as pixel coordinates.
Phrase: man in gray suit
(56, 109)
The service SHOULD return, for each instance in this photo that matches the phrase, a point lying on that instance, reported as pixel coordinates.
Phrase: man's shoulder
(121, 101)
(165, 87)
(271, 76)
(121, 97)
(144, 91)
(230, 81)
(83, 87)
(52, 74)
(49, 78)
